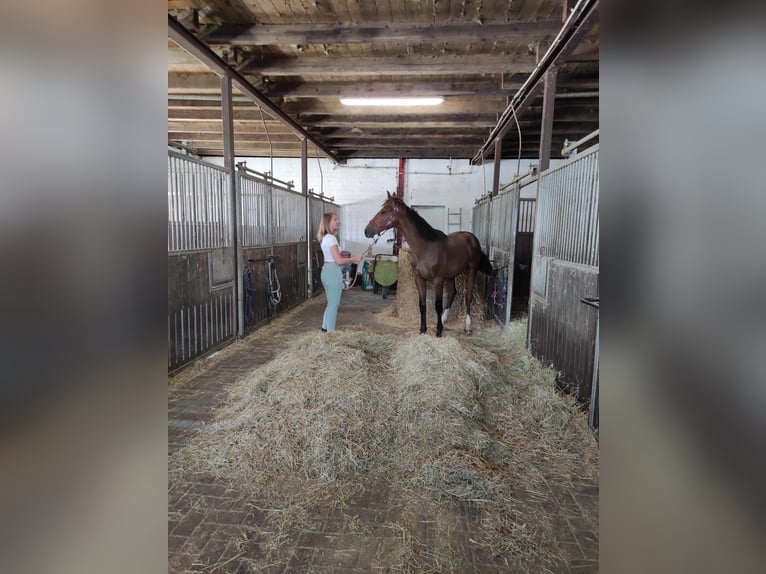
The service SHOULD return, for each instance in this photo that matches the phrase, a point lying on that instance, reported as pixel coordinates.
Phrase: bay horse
(435, 257)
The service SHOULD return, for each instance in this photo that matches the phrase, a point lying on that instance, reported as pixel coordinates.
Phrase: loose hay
(441, 421)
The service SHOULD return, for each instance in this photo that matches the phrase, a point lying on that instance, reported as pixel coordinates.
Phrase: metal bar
(172, 193)
(594, 217)
(567, 149)
(238, 249)
(203, 53)
(194, 160)
(582, 197)
(305, 191)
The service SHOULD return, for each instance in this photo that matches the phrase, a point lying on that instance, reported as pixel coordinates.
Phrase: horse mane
(422, 226)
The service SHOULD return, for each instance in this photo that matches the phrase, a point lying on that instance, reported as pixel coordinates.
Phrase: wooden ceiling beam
(373, 88)
(333, 106)
(385, 33)
(212, 126)
(183, 83)
(424, 123)
(199, 50)
(413, 65)
(239, 137)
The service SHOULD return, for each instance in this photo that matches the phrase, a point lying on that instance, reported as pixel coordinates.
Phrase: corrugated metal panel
(526, 222)
(562, 330)
(199, 212)
(289, 216)
(568, 201)
(194, 330)
(480, 222)
(256, 211)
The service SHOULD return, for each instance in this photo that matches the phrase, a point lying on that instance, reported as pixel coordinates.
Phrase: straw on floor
(440, 421)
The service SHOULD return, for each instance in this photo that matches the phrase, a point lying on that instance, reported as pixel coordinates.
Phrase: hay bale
(407, 307)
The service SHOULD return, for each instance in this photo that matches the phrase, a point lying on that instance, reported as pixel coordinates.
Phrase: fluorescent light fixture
(391, 101)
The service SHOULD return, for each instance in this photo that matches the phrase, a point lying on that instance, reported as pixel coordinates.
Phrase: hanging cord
(518, 129)
(268, 137)
(275, 294)
(321, 178)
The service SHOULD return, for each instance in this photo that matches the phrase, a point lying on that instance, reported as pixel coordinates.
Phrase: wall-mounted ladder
(454, 220)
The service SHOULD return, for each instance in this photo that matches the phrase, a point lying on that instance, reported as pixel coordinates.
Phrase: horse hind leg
(438, 300)
(451, 292)
(421, 285)
(469, 281)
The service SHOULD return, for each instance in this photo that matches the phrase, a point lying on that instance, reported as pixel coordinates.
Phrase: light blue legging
(332, 281)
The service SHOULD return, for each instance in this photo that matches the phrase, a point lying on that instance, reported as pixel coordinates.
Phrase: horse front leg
(469, 281)
(420, 283)
(438, 294)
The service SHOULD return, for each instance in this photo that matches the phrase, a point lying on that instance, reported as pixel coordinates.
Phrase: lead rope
(374, 241)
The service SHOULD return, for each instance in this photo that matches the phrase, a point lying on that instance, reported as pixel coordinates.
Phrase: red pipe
(400, 195)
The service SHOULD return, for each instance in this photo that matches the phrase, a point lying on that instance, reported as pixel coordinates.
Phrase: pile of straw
(442, 421)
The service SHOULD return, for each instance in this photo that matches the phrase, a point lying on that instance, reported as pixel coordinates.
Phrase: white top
(327, 242)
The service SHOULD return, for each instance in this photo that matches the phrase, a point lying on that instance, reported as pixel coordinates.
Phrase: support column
(305, 192)
(496, 172)
(227, 114)
(549, 95)
(400, 195)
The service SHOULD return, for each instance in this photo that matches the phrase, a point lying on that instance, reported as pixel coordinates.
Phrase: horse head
(386, 218)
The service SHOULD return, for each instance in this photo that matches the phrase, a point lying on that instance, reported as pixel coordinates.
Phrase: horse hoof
(469, 331)
(438, 334)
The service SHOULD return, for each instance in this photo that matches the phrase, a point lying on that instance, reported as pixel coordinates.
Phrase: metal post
(549, 95)
(305, 192)
(227, 114)
(512, 251)
(496, 170)
(400, 195)
(594, 384)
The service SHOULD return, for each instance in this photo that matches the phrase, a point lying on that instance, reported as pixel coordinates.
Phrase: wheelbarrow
(385, 272)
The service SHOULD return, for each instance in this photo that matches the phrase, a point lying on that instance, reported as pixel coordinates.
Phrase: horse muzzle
(369, 231)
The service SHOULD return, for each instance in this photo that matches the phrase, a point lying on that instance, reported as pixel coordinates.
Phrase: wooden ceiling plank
(199, 50)
(385, 33)
(411, 65)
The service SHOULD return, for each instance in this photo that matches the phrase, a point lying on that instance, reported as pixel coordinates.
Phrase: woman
(332, 278)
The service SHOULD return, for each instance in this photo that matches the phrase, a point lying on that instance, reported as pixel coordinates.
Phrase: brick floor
(213, 528)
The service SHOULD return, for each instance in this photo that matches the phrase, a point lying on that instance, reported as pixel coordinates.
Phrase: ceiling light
(391, 101)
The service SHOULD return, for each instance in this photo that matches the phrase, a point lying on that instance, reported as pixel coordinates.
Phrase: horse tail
(485, 265)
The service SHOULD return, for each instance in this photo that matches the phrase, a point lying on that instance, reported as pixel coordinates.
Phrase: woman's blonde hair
(324, 225)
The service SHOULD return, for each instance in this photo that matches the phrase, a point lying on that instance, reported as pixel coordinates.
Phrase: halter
(390, 222)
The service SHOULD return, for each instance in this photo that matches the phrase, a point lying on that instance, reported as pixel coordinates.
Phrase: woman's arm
(335, 251)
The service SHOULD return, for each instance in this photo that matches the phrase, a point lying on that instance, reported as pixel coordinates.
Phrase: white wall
(360, 187)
